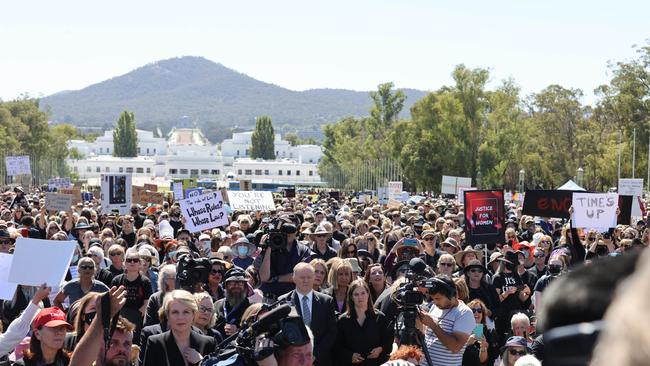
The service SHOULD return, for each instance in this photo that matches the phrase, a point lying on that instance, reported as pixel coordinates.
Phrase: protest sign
(58, 183)
(177, 188)
(594, 210)
(333, 195)
(142, 196)
(394, 190)
(49, 266)
(245, 184)
(251, 200)
(394, 204)
(17, 165)
(74, 192)
(7, 289)
(507, 196)
(382, 194)
(547, 203)
(625, 208)
(116, 193)
(290, 192)
(461, 193)
(204, 212)
(193, 192)
(630, 187)
(484, 217)
(151, 187)
(450, 184)
(58, 202)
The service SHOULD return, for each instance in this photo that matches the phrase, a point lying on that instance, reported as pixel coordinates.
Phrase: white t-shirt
(457, 319)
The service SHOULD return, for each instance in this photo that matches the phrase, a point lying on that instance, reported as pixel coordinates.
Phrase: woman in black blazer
(365, 336)
(179, 345)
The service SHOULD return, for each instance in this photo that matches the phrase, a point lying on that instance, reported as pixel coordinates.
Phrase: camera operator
(280, 254)
(449, 323)
(292, 355)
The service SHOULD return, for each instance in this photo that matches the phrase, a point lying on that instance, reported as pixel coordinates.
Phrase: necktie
(306, 314)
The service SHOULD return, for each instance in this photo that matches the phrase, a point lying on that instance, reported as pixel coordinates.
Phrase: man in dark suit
(317, 311)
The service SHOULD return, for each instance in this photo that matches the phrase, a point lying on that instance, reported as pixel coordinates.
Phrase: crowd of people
(340, 263)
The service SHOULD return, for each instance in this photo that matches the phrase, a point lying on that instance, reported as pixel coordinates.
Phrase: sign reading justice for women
(204, 212)
(484, 217)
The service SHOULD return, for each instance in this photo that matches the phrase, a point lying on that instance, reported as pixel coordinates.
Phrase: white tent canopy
(570, 185)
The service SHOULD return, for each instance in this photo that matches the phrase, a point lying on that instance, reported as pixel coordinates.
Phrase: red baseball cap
(51, 318)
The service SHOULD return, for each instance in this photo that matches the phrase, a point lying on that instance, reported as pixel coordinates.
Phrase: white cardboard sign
(630, 187)
(116, 193)
(461, 193)
(17, 165)
(58, 183)
(594, 210)
(394, 190)
(177, 187)
(204, 212)
(41, 261)
(251, 200)
(7, 289)
(58, 201)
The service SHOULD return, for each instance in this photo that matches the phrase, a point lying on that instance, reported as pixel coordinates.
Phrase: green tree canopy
(263, 139)
(125, 137)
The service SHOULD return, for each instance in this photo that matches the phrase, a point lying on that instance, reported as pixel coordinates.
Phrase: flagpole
(633, 151)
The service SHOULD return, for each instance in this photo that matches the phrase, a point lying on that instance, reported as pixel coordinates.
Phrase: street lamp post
(579, 175)
(522, 175)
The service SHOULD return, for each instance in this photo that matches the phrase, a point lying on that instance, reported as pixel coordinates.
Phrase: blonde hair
(200, 296)
(182, 296)
(336, 267)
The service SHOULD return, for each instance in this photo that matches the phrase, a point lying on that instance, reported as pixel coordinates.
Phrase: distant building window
(173, 171)
(98, 169)
(138, 150)
(89, 169)
(154, 150)
(121, 170)
(194, 172)
(288, 172)
(139, 170)
(215, 172)
(148, 170)
(239, 171)
(237, 152)
(279, 172)
(129, 170)
(107, 169)
(266, 172)
(258, 171)
(311, 160)
(183, 171)
(311, 173)
(297, 172)
(205, 171)
(248, 172)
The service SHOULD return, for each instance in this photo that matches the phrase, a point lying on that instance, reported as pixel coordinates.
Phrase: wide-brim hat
(354, 263)
(241, 241)
(494, 257)
(460, 255)
(474, 263)
(405, 247)
(5, 234)
(510, 258)
(516, 341)
(81, 226)
(321, 229)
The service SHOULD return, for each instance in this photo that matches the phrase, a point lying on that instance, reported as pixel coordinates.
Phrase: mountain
(209, 95)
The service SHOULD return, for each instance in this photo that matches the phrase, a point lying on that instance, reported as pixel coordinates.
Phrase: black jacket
(376, 331)
(163, 351)
(323, 324)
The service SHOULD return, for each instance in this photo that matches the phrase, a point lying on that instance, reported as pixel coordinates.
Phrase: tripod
(411, 335)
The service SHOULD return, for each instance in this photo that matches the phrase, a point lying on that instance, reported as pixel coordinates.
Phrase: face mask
(242, 251)
(554, 269)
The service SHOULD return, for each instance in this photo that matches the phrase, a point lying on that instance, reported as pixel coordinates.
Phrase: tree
(125, 138)
(387, 106)
(263, 139)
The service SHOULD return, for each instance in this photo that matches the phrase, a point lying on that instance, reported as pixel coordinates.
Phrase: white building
(284, 170)
(186, 153)
(148, 145)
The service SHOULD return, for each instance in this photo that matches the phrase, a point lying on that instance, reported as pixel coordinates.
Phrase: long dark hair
(351, 311)
(366, 278)
(35, 354)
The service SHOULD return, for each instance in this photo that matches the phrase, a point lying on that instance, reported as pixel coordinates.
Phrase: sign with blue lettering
(204, 212)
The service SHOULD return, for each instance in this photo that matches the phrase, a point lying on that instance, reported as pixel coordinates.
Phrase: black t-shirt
(503, 281)
(543, 282)
(129, 238)
(106, 275)
(137, 292)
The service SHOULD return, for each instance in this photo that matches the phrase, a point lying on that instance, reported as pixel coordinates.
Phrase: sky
(50, 46)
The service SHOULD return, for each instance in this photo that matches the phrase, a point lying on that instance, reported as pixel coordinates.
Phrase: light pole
(522, 175)
(479, 178)
(579, 174)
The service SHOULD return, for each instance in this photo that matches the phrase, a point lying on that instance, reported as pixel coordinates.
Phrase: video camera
(282, 325)
(191, 271)
(276, 231)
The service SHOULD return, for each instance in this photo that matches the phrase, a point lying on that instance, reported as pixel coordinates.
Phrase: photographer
(280, 254)
(449, 324)
(291, 355)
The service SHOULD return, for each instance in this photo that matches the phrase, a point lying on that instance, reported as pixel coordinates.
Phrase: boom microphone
(269, 318)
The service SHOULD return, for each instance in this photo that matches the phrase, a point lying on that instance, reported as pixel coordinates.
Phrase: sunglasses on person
(88, 317)
(538, 255)
(321, 235)
(132, 260)
(215, 272)
(514, 352)
(475, 270)
(477, 310)
(447, 264)
(205, 309)
(85, 266)
(90, 255)
(114, 254)
(430, 238)
(5, 242)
